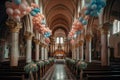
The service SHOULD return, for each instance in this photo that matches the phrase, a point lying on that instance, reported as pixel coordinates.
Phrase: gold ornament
(28, 35)
(13, 25)
(105, 28)
(81, 42)
(88, 37)
(37, 41)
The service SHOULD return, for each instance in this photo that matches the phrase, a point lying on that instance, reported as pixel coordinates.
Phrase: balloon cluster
(17, 9)
(35, 9)
(39, 22)
(94, 8)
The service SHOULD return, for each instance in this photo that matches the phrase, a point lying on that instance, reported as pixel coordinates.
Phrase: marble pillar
(88, 48)
(46, 53)
(78, 55)
(104, 48)
(28, 37)
(14, 28)
(42, 53)
(37, 42)
(81, 50)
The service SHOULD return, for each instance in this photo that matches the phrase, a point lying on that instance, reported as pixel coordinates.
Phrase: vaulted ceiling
(59, 14)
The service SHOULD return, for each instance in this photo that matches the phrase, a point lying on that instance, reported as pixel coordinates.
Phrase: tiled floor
(61, 72)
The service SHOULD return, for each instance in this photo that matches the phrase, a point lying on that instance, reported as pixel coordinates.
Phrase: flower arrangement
(40, 63)
(81, 65)
(51, 60)
(31, 67)
(47, 62)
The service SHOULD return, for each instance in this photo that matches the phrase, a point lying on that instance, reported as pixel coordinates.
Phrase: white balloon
(9, 11)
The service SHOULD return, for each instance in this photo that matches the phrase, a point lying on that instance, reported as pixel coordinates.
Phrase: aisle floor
(60, 71)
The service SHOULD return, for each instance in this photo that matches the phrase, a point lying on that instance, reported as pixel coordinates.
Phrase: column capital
(28, 35)
(88, 37)
(81, 42)
(37, 41)
(105, 28)
(13, 25)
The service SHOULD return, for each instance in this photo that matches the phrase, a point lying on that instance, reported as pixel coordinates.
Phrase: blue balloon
(94, 13)
(84, 22)
(80, 19)
(87, 12)
(17, 2)
(33, 13)
(102, 3)
(47, 34)
(37, 10)
(94, 6)
(93, 2)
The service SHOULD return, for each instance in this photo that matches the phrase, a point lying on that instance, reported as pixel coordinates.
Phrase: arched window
(57, 40)
(61, 40)
(116, 26)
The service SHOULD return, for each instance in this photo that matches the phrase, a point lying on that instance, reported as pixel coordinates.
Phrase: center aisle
(60, 71)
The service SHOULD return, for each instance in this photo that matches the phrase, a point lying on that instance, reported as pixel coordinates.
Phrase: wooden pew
(14, 74)
(103, 77)
(11, 78)
(85, 73)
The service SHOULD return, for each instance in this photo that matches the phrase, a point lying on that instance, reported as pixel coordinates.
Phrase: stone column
(51, 49)
(14, 28)
(81, 42)
(88, 48)
(42, 52)
(37, 42)
(76, 51)
(46, 53)
(73, 51)
(78, 55)
(28, 37)
(104, 48)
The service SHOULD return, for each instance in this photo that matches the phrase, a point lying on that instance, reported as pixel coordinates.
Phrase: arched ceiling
(59, 14)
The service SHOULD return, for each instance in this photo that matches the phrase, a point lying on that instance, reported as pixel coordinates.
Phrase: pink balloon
(34, 5)
(17, 18)
(9, 11)
(25, 2)
(8, 4)
(17, 11)
(42, 16)
(47, 40)
(24, 13)
(23, 6)
(14, 6)
(28, 9)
